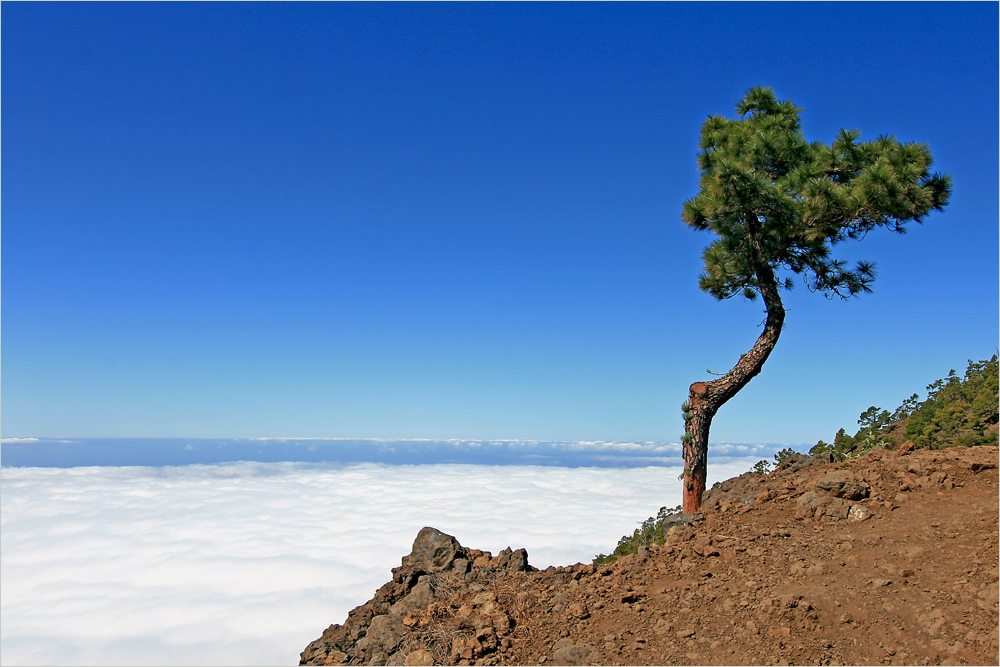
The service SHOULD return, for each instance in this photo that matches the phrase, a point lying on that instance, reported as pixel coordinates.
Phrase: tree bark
(705, 398)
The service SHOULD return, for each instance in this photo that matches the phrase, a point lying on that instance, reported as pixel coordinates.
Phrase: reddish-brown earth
(891, 558)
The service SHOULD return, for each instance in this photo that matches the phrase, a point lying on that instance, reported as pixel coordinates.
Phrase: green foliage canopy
(958, 411)
(777, 201)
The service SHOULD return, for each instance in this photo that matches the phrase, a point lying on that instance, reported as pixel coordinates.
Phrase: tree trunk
(705, 398)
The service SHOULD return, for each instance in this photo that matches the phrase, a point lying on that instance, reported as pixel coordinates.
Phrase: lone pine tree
(778, 204)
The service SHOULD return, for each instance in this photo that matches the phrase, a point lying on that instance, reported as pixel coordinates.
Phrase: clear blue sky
(458, 220)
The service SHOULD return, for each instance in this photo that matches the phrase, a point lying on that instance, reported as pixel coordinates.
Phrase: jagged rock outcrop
(439, 583)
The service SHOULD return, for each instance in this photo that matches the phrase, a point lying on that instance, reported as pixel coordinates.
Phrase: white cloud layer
(245, 563)
(49, 452)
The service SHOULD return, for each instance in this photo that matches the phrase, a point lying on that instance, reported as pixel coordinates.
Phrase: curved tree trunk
(705, 398)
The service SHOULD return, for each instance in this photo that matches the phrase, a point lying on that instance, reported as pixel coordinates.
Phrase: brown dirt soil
(777, 569)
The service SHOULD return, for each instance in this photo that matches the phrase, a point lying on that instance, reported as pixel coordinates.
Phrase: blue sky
(458, 220)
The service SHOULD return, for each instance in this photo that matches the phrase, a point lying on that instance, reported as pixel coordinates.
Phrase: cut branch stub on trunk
(705, 398)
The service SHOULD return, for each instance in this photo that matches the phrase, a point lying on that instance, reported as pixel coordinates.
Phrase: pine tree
(778, 205)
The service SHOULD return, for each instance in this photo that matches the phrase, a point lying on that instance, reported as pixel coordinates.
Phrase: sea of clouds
(70, 452)
(245, 563)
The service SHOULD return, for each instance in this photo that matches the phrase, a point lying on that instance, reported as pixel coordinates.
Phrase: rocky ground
(888, 559)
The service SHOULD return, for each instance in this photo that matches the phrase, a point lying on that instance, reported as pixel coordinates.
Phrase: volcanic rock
(769, 573)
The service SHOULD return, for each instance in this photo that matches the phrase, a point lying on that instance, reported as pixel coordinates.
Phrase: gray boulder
(418, 598)
(568, 652)
(385, 633)
(511, 561)
(843, 484)
(433, 551)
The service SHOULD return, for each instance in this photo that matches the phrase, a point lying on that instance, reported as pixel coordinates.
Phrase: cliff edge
(890, 558)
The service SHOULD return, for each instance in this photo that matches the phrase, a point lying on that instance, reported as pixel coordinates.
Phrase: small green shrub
(650, 531)
(785, 453)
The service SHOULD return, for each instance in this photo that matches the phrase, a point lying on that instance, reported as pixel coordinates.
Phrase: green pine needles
(772, 198)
